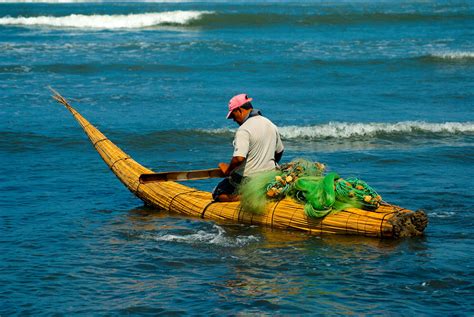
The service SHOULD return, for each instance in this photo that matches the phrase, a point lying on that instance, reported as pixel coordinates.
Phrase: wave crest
(211, 19)
(458, 55)
(350, 130)
(130, 21)
(371, 129)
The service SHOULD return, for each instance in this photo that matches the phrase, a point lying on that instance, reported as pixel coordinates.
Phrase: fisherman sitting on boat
(257, 147)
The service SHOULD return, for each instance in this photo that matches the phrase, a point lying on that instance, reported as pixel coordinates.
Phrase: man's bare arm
(235, 162)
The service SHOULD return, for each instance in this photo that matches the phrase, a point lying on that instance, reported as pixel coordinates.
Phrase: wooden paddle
(181, 176)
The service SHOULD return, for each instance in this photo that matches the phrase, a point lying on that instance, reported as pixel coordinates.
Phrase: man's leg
(225, 191)
(227, 197)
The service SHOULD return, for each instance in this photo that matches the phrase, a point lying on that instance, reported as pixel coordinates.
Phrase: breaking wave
(349, 130)
(210, 19)
(371, 129)
(455, 55)
(449, 56)
(129, 21)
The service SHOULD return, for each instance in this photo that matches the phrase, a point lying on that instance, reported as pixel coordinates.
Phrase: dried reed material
(387, 221)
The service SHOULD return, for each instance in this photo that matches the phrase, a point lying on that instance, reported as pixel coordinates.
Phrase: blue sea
(380, 90)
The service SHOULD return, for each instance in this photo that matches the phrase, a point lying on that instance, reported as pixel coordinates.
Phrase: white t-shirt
(257, 139)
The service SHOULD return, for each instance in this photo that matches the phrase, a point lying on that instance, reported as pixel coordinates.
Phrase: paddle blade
(181, 176)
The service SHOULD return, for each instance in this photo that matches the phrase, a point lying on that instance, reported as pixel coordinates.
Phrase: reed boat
(387, 221)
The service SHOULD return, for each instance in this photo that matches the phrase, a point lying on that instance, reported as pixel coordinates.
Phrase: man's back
(258, 140)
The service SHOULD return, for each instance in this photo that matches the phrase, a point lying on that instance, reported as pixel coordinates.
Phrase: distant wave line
(130, 21)
(423, 57)
(92, 68)
(91, 1)
(224, 19)
(465, 57)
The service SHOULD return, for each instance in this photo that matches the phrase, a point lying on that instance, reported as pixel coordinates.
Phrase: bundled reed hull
(387, 221)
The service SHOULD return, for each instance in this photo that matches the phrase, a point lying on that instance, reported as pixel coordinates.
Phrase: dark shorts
(228, 185)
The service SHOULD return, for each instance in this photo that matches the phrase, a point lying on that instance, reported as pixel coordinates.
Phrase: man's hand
(234, 163)
(224, 167)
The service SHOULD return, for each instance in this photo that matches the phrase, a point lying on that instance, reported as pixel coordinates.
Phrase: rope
(382, 222)
(174, 197)
(100, 141)
(205, 208)
(122, 159)
(273, 212)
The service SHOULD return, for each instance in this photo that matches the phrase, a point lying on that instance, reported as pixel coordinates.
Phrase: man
(257, 147)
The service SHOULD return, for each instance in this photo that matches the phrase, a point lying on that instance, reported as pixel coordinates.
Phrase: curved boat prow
(127, 170)
(113, 156)
(387, 221)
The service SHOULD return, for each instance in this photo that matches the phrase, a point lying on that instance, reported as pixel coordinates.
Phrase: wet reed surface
(383, 92)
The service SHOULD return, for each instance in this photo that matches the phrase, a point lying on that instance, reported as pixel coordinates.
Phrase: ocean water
(381, 90)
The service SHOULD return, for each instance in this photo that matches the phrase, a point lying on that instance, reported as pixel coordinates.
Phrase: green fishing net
(253, 191)
(305, 182)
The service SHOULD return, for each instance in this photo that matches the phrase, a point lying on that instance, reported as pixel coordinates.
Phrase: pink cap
(237, 101)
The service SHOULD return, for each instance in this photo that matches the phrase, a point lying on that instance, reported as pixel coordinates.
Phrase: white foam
(215, 237)
(369, 129)
(454, 55)
(130, 21)
(446, 214)
(349, 130)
